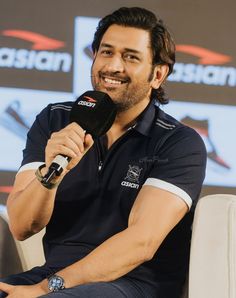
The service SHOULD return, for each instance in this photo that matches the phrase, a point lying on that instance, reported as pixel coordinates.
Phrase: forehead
(127, 37)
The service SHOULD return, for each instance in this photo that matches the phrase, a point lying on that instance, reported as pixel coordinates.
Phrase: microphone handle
(57, 166)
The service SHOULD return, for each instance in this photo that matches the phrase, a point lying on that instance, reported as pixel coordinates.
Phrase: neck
(125, 120)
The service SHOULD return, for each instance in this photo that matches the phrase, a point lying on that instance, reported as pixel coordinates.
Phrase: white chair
(26, 254)
(212, 271)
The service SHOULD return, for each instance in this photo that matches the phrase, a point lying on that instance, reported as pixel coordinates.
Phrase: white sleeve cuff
(30, 166)
(171, 188)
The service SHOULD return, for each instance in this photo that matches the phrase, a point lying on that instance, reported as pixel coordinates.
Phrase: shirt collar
(146, 118)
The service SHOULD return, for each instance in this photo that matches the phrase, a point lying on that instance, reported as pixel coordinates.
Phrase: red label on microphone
(90, 99)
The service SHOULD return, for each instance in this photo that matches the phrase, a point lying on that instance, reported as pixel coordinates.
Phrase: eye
(131, 57)
(106, 53)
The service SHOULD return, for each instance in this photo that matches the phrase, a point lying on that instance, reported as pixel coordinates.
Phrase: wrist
(55, 283)
(41, 175)
(43, 285)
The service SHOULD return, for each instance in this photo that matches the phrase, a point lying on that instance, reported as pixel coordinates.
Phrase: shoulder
(167, 123)
(56, 109)
(55, 116)
(52, 118)
(61, 106)
(175, 134)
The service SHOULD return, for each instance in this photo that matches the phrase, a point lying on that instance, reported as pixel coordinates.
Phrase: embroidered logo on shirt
(132, 177)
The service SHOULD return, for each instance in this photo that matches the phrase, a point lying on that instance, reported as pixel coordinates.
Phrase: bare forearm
(30, 204)
(114, 258)
(30, 209)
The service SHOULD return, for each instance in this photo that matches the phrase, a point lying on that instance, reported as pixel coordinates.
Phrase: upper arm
(21, 181)
(155, 213)
(172, 185)
(180, 167)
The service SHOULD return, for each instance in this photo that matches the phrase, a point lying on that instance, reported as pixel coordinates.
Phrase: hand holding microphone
(94, 112)
(66, 147)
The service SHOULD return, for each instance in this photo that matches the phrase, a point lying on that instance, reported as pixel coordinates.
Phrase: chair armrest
(212, 270)
(31, 251)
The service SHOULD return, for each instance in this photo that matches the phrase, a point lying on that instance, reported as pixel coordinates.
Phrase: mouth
(109, 81)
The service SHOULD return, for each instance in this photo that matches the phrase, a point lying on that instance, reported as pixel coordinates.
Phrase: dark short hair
(162, 44)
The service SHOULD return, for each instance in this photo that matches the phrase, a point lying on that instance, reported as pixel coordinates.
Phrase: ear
(159, 75)
(94, 55)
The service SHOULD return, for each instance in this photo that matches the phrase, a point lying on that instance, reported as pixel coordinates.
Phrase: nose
(115, 64)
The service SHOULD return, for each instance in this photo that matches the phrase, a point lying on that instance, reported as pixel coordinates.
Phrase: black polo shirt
(94, 199)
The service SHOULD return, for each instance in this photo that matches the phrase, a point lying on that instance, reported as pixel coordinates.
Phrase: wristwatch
(56, 283)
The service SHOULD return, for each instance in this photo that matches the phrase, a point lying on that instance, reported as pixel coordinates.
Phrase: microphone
(95, 112)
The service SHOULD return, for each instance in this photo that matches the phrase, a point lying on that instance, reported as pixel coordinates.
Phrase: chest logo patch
(133, 174)
(132, 177)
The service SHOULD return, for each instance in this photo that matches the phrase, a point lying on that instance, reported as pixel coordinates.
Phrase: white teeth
(110, 81)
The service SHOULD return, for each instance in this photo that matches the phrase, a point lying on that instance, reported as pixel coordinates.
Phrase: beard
(128, 94)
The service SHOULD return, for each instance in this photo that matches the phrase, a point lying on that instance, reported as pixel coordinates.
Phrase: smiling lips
(113, 81)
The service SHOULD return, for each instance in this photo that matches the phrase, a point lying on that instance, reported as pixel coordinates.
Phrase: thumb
(88, 142)
(5, 287)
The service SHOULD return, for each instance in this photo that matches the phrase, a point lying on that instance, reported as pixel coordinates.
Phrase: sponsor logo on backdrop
(208, 71)
(42, 55)
(205, 56)
(6, 189)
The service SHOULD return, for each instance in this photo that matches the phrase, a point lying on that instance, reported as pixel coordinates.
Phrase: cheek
(140, 76)
(93, 74)
(95, 65)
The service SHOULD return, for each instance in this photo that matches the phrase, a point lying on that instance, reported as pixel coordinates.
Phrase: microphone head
(94, 111)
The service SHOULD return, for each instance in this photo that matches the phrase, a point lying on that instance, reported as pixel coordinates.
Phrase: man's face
(122, 66)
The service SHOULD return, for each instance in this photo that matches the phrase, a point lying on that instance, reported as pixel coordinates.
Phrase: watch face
(55, 283)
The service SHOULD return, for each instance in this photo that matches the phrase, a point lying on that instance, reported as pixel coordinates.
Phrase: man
(118, 220)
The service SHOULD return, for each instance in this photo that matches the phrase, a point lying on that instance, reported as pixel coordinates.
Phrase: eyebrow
(107, 45)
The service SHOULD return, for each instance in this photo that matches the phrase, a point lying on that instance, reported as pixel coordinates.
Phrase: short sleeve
(37, 137)
(181, 165)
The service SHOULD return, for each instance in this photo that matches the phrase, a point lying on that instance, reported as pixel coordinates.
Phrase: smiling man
(119, 217)
(123, 66)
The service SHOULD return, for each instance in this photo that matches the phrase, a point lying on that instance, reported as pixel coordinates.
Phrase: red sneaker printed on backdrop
(202, 127)
(12, 119)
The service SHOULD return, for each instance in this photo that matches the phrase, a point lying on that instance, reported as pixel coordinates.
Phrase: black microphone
(95, 112)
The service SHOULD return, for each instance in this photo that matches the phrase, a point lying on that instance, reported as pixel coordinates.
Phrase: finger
(51, 153)
(73, 163)
(72, 132)
(70, 145)
(74, 128)
(75, 143)
(77, 128)
(5, 287)
(88, 142)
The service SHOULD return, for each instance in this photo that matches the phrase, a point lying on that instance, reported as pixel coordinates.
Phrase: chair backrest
(212, 272)
(29, 252)
(184, 293)
(10, 262)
